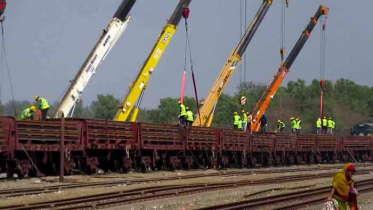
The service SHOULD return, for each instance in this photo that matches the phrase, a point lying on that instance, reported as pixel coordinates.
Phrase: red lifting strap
(2, 4)
(186, 12)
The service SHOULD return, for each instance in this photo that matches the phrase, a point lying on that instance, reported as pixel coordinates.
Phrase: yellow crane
(209, 104)
(270, 92)
(140, 84)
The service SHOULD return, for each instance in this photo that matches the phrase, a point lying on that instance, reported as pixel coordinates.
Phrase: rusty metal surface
(263, 142)
(7, 136)
(235, 140)
(156, 136)
(45, 135)
(307, 142)
(111, 134)
(328, 143)
(203, 138)
(285, 142)
(361, 143)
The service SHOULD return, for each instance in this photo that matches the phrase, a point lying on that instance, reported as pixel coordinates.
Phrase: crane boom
(279, 76)
(107, 40)
(140, 84)
(229, 68)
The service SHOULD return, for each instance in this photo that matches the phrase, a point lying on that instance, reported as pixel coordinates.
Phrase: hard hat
(179, 102)
(291, 118)
(278, 120)
(186, 107)
(36, 97)
(33, 108)
(324, 117)
(247, 112)
(235, 113)
(330, 118)
(243, 111)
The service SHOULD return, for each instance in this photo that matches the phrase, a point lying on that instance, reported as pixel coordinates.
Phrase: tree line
(345, 101)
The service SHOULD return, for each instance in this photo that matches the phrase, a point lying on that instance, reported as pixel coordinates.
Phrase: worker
(28, 113)
(249, 120)
(298, 125)
(182, 115)
(236, 120)
(293, 125)
(263, 124)
(244, 120)
(331, 125)
(43, 106)
(318, 126)
(324, 125)
(344, 189)
(240, 123)
(189, 118)
(280, 126)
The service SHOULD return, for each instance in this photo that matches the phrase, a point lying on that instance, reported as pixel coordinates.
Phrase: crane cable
(4, 60)
(284, 5)
(323, 47)
(188, 48)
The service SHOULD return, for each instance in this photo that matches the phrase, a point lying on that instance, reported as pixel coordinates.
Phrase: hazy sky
(47, 42)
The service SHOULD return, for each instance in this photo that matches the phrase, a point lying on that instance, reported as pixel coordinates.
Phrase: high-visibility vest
(318, 123)
(236, 119)
(333, 124)
(281, 124)
(189, 116)
(43, 104)
(244, 117)
(182, 110)
(293, 124)
(330, 123)
(26, 114)
(240, 124)
(298, 124)
(324, 122)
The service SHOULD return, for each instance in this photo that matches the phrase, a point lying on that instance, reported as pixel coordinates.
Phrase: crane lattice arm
(107, 40)
(270, 92)
(139, 85)
(229, 68)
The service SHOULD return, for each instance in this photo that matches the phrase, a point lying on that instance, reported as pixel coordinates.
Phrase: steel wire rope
(188, 48)
(5, 62)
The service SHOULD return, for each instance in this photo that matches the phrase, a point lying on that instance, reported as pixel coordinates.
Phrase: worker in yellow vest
(236, 120)
(28, 113)
(331, 125)
(298, 122)
(189, 118)
(43, 106)
(293, 125)
(324, 125)
(244, 120)
(318, 126)
(182, 115)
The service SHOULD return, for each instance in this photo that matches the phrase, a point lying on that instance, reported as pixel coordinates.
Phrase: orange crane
(270, 92)
(208, 107)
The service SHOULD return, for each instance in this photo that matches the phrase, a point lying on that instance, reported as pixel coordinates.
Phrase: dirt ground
(183, 202)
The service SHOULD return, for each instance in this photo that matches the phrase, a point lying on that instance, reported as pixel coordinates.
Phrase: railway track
(297, 199)
(50, 189)
(106, 200)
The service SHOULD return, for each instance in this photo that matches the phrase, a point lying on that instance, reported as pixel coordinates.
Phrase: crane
(279, 76)
(106, 42)
(209, 104)
(139, 85)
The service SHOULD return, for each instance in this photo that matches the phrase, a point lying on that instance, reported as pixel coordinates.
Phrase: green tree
(105, 107)
(82, 112)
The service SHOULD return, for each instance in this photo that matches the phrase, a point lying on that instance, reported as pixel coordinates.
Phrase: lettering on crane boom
(90, 65)
(157, 54)
(166, 38)
(106, 40)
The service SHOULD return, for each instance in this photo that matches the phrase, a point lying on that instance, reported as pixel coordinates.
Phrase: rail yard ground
(263, 182)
